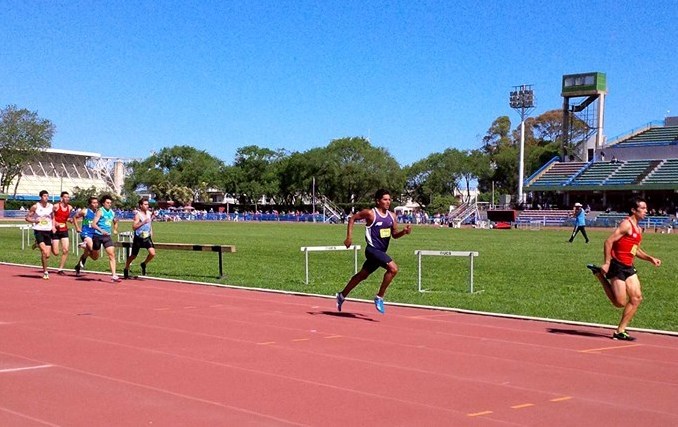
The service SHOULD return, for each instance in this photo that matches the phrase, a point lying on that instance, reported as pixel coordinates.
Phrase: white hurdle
(469, 254)
(354, 248)
(25, 233)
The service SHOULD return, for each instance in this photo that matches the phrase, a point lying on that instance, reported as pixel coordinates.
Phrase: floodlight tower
(522, 100)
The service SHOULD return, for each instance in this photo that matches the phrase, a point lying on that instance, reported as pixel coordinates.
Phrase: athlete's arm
(641, 254)
(365, 214)
(394, 229)
(30, 215)
(95, 223)
(137, 221)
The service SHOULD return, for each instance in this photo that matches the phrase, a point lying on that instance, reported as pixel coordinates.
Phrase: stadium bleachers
(596, 173)
(666, 172)
(631, 172)
(553, 218)
(614, 218)
(558, 174)
(56, 171)
(654, 136)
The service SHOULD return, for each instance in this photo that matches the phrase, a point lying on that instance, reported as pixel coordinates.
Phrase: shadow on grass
(576, 332)
(342, 314)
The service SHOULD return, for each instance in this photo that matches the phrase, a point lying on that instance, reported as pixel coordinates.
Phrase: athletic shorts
(375, 259)
(58, 235)
(100, 240)
(620, 271)
(85, 236)
(140, 242)
(43, 236)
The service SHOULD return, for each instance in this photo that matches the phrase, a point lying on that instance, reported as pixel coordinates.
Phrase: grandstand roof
(72, 152)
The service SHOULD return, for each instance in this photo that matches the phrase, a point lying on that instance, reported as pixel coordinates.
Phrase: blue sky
(124, 78)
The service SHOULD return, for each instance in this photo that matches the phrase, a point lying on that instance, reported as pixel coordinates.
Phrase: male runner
(105, 223)
(143, 237)
(617, 274)
(62, 215)
(381, 226)
(41, 215)
(86, 232)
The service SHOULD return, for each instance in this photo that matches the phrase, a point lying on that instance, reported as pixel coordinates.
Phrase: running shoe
(340, 301)
(77, 268)
(622, 336)
(143, 269)
(125, 274)
(379, 304)
(115, 278)
(82, 245)
(594, 268)
(45, 275)
(34, 246)
(61, 273)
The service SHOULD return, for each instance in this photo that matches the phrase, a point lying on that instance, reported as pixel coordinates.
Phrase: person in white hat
(579, 222)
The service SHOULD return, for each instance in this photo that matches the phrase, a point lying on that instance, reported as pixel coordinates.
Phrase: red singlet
(624, 249)
(61, 217)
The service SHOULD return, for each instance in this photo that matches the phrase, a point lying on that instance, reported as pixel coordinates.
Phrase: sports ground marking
(519, 406)
(616, 347)
(24, 368)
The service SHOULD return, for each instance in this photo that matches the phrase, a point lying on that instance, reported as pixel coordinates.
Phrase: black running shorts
(620, 271)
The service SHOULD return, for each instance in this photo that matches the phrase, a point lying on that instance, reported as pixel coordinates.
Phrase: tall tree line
(347, 171)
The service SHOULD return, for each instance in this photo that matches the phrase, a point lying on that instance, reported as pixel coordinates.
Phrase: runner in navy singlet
(381, 226)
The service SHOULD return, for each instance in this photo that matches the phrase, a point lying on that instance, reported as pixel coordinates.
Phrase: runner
(143, 237)
(86, 233)
(381, 226)
(104, 225)
(62, 216)
(617, 274)
(41, 215)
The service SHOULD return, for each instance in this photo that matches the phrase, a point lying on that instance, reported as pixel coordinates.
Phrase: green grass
(523, 272)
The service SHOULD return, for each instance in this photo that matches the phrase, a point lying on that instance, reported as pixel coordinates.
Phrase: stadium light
(521, 99)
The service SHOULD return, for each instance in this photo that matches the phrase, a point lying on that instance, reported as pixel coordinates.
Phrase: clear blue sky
(123, 78)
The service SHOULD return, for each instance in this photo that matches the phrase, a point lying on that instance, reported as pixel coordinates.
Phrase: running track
(84, 352)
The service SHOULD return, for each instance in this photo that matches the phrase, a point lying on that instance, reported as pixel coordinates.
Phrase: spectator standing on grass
(381, 225)
(62, 216)
(143, 237)
(579, 222)
(41, 215)
(617, 274)
(105, 224)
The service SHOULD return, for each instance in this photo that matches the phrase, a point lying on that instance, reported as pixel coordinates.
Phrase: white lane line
(25, 368)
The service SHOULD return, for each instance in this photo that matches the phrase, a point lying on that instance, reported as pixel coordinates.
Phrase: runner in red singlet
(62, 216)
(618, 275)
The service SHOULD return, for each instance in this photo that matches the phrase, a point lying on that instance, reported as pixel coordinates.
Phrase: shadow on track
(576, 333)
(343, 314)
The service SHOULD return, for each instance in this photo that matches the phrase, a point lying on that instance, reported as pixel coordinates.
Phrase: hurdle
(25, 233)
(354, 248)
(469, 254)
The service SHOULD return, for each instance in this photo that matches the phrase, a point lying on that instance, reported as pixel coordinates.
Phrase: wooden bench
(186, 247)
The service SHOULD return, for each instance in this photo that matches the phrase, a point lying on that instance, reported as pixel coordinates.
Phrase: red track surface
(84, 352)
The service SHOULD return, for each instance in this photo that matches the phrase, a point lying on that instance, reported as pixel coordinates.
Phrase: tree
(178, 166)
(351, 170)
(22, 135)
(257, 172)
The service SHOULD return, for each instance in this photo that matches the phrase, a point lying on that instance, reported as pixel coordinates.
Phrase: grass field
(534, 273)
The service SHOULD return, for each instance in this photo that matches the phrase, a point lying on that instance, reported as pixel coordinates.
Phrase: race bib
(145, 235)
(385, 233)
(634, 249)
(44, 221)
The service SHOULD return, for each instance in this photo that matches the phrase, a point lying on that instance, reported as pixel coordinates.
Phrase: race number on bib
(385, 233)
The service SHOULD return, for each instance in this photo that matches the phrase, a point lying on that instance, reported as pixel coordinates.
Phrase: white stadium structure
(57, 170)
